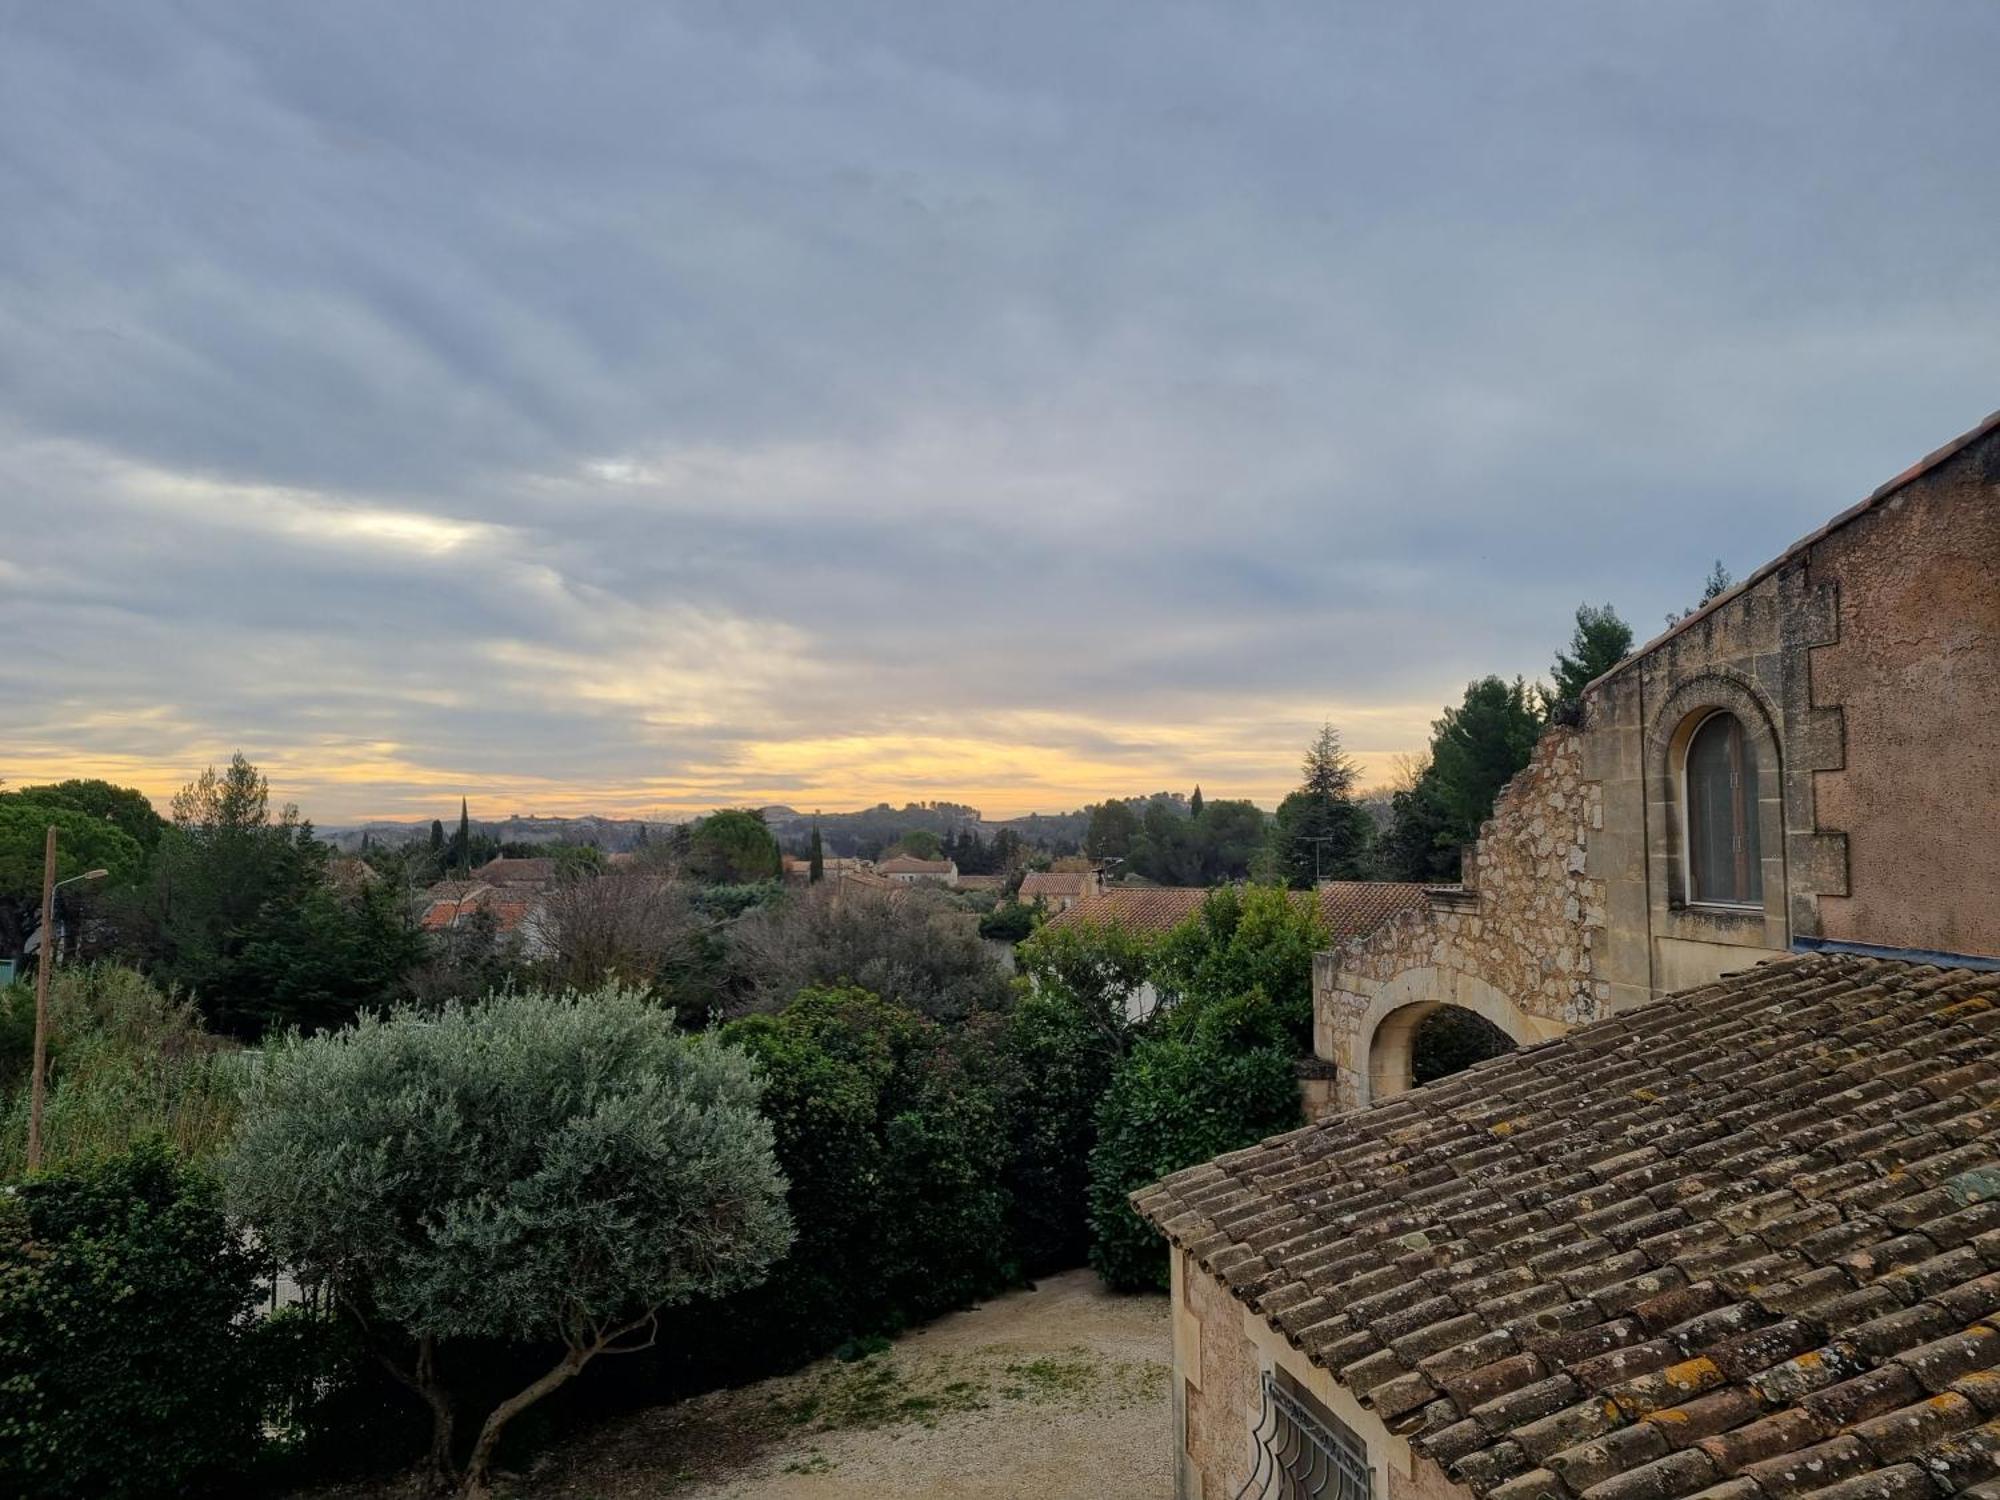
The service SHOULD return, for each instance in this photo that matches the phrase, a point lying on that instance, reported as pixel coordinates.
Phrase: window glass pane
(1722, 813)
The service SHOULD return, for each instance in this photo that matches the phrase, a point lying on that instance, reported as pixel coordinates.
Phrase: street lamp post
(41, 1064)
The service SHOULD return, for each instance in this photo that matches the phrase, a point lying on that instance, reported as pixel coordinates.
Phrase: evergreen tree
(1194, 803)
(1319, 833)
(816, 867)
(437, 836)
(1713, 587)
(1601, 640)
(1475, 750)
(464, 837)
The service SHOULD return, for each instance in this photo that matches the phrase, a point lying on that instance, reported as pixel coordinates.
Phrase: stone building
(1811, 760)
(1727, 1224)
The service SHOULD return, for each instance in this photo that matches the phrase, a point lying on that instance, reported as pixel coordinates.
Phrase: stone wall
(1514, 944)
(1221, 1350)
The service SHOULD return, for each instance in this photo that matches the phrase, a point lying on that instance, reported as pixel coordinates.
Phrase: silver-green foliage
(548, 1167)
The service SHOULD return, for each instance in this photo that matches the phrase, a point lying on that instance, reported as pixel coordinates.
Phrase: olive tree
(539, 1167)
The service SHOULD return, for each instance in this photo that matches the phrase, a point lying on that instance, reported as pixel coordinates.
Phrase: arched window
(1720, 786)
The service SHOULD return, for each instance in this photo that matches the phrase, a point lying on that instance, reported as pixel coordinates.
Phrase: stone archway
(1380, 1063)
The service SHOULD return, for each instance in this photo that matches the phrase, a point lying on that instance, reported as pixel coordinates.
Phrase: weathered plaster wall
(1915, 673)
(1515, 946)
(1221, 1350)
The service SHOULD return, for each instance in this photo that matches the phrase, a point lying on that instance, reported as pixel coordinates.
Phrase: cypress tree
(1194, 803)
(437, 835)
(464, 837)
(816, 868)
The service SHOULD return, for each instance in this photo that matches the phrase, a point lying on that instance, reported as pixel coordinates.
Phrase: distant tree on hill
(1601, 640)
(1195, 804)
(462, 849)
(918, 843)
(1113, 826)
(732, 847)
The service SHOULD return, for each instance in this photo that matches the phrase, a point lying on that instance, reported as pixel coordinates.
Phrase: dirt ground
(1059, 1393)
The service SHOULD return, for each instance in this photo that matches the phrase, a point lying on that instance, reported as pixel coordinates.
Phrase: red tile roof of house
(903, 864)
(1055, 883)
(1742, 1243)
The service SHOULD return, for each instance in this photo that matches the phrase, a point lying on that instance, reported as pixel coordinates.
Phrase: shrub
(124, 1369)
(126, 1063)
(1176, 1101)
(1060, 1063)
(892, 1140)
(1258, 938)
(549, 1168)
(914, 948)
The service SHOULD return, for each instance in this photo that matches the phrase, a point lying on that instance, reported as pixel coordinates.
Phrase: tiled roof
(1742, 1243)
(1053, 883)
(981, 882)
(459, 904)
(1350, 908)
(1140, 908)
(903, 864)
(1354, 908)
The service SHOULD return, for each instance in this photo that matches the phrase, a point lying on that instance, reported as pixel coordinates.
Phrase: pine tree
(1327, 772)
(1601, 641)
(1194, 803)
(816, 866)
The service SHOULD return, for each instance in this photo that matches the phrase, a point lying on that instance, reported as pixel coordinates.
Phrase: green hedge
(127, 1366)
(1175, 1102)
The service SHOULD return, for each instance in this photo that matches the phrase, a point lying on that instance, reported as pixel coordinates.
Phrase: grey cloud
(1067, 360)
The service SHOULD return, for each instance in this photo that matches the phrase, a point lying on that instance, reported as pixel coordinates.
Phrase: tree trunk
(440, 1473)
(478, 1484)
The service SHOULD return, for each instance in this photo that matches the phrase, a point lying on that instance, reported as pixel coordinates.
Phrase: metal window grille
(1302, 1453)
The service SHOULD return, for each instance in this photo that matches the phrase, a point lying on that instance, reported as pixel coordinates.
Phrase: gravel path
(1059, 1393)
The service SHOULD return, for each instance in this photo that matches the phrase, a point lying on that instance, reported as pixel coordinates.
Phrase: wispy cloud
(654, 407)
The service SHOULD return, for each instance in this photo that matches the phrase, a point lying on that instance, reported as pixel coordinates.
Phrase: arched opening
(1451, 1039)
(1426, 1041)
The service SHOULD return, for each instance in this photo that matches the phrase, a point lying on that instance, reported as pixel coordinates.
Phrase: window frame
(1689, 881)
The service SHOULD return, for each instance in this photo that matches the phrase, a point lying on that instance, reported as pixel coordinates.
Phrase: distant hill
(612, 835)
(865, 833)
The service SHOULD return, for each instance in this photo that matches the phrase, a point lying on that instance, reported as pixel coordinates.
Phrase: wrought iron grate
(1302, 1454)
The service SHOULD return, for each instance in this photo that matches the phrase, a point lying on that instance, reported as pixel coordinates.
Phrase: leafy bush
(127, 1062)
(1176, 1101)
(124, 1360)
(914, 948)
(549, 1168)
(1061, 1061)
(1259, 938)
(891, 1138)
(1008, 922)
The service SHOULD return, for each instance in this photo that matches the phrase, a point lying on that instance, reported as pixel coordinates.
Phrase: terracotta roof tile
(1775, 1274)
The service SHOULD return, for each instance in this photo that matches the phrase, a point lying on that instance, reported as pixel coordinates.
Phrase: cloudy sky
(641, 408)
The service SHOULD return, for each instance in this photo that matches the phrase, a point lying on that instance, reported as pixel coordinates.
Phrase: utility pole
(35, 1088)
(44, 958)
(1319, 841)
